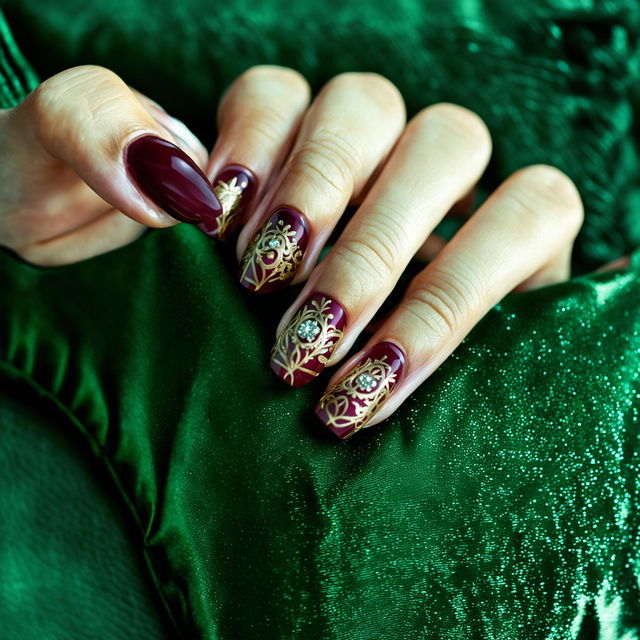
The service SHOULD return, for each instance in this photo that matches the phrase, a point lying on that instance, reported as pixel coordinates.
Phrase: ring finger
(526, 228)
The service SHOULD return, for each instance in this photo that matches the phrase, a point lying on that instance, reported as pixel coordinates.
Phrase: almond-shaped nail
(303, 348)
(235, 187)
(352, 401)
(276, 251)
(169, 177)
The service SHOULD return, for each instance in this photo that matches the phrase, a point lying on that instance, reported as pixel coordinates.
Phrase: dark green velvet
(70, 565)
(501, 501)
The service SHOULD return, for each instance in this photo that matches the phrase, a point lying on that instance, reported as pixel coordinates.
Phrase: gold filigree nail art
(303, 348)
(230, 195)
(275, 253)
(354, 399)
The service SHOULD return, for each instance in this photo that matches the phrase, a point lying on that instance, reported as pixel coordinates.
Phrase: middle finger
(440, 156)
(346, 134)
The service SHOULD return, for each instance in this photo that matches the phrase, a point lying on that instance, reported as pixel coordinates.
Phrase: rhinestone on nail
(308, 330)
(366, 382)
(274, 243)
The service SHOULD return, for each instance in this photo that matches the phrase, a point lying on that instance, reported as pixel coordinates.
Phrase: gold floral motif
(348, 405)
(230, 195)
(291, 353)
(273, 255)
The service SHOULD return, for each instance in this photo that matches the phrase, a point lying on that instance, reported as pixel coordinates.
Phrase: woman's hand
(91, 162)
(65, 194)
(354, 147)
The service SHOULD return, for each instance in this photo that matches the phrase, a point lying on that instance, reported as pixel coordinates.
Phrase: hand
(353, 147)
(92, 162)
(65, 193)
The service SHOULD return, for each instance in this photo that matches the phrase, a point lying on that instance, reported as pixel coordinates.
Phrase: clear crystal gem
(308, 330)
(366, 382)
(274, 243)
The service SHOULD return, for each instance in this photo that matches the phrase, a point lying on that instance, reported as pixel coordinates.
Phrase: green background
(499, 502)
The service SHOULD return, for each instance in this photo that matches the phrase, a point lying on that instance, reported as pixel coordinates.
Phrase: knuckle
(545, 195)
(266, 123)
(444, 302)
(368, 260)
(453, 117)
(328, 158)
(70, 89)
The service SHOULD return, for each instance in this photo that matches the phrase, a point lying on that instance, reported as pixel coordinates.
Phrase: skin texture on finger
(529, 220)
(86, 117)
(346, 134)
(441, 154)
(258, 118)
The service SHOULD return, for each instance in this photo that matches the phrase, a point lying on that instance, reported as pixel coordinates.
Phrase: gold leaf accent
(273, 255)
(346, 405)
(230, 195)
(291, 353)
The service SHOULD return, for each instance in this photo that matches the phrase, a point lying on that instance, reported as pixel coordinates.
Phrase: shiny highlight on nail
(272, 258)
(303, 348)
(169, 177)
(358, 396)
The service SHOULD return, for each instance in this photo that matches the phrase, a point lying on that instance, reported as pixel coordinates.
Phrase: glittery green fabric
(501, 501)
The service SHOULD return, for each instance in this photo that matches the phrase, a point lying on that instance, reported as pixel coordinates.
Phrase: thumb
(88, 118)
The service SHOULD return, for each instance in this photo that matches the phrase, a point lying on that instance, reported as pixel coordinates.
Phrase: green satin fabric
(501, 501)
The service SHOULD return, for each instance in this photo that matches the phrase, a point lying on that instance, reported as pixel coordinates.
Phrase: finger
(441, 154)
(620, 263)
(178, 129)
(258, 119)
(102, 234)
(89, 119)
(528, 221)
(348, 131)
(557, 269)
(431, 247)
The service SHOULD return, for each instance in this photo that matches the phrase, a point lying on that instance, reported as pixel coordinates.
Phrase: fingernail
(170, 178)
(235, 186)
(302, 350)
(275, 253)
(353, 401)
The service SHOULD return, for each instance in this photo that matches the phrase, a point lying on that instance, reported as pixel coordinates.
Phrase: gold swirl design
(292, 353)
(273, 255)
(348, 405)
(230, 195)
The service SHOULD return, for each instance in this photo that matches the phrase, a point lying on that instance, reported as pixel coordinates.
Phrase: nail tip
(295, 382)
(340, 432)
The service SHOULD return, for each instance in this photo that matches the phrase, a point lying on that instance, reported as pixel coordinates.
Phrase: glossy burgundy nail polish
(168, 176)
(354, 399)
(235, 187)
(303, 348)
(276, 251)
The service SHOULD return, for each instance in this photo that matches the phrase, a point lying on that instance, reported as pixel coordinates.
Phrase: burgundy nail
(171, 179)
(302, 350)
(235, 187)
(354, 399)
(275, 253)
